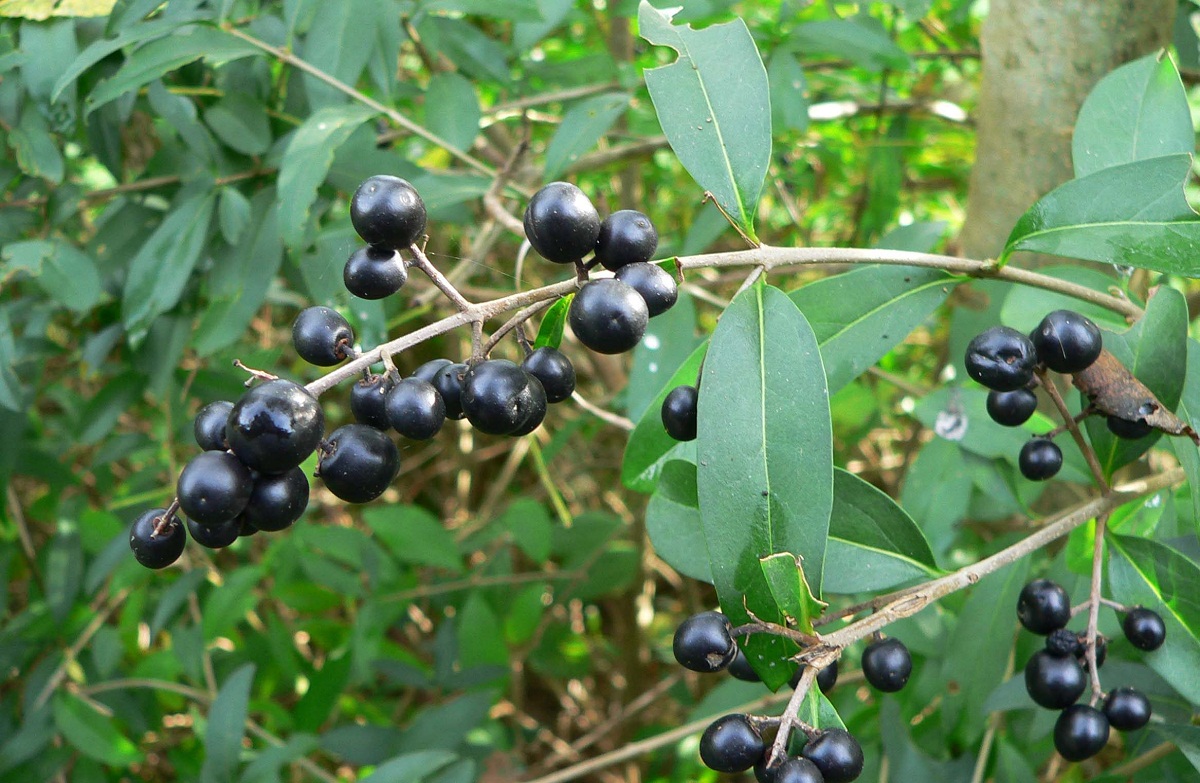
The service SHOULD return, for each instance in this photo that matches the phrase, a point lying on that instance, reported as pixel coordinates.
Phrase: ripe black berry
(826, 678)
(1001, 359)
(836, 754)
(608, 316)
(1144, 628)
(374, 272)
(1043, 606)
(561, 223)
(1129, 430)
(655, 285)
(215, 536)
(1040, 459)
(679, 412)
(449, 383)
(731, 744)
(497, 397)
(156, 551)
(321, 336)
(887, 664)
(359, 464)
(1011, 408)
(535, 411)
(277, 500)
(552, 367)
(387, 211)
(740, 668)
(626, 237)
(1063, 642)
(209, 426)
(1080, 732)
(1054, 682)
(1127, 709)
(213, 487)
(368, 398)
(415, 409)
(703, 643)
(275, 426)
(429, 370)
(1067, 342)
(791, 770)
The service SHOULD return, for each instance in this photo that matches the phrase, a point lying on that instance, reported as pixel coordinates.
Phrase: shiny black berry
(214, 487)
(1040, 459)
(552, 367)
(626, 237)
(449, 383)
(561, 223)
(608, 316)
(374, 273)
(215, 536)
(1144, 628)
(387, 211)
(1011, 408)
(1043, 606)
(837, 754)
(368, 400)
(740, 668)
(791, 770)
(679, 412)
(731, 744)
(1080, 732)
(277, 500)
(1129, 430)
(1067, 342)
(703, 642)
(535, 412)
(415, 409)
(209, 426)
(1063, 643)
(497, 397)
(887, 664)
(359, 463)
(1001, 359)
(655, 285)
(1054, 682)
(1127, 709)
(429, 370)
(321, 336)
(156, 551)
(275, 426)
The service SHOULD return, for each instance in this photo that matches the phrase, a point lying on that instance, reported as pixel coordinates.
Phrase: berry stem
(514, 323)
(162, 523)
(762, 626)
(1094, 606)
(260, 375)
(789, 719)
(421, 261)
(1073, 427)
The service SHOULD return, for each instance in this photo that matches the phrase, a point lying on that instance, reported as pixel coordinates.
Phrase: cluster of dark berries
(389, 215)
(1055, 677)
(1005, 361)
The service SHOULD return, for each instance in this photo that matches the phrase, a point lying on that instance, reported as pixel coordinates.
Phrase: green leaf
(862, 44)
(1025, 306)
(91, 733)
(1184, 737)
(649, 443)
(36, 150)
(512, 10)
(669, 339)
(920, 237)
(550, 332)
(530, 526)
(67, 275)
(266, 765)
(64, 571)
(452, 109)
(937, 491)
(337, 44)
(413, 535)
(1138, 111)
(1134, 214)
(789, 91)
(714, 105)
(1189, 410)
(673, 522)
(233, 214)
(582, 126)
(764, 455)
(306, 162)
(785, 579)
(227, 727)
(410, 767)
(325, 687)
(240, 121)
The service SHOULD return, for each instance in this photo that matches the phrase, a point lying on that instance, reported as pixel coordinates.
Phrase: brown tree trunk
(1040, 60)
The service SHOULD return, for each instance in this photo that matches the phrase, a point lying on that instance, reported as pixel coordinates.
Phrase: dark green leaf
(266, 765)
(325, 687)
(410, 767)
(670, 338)
(582, 126)
(789, 91)
(12, 391)
(91, 733)
(1189, 410)
(480, 634)
(64, 571)
(452, 109)
(916, 237)
(413, 535)
(36, 150)
(226, 605)
(512, 10)
(1185, 737)
(240, 121)
(937, 491)
(479, 56)
(174, 597)
(227, 727)
(67, 275)
(550, 332)
(714, 105)
(673, 522)
(336, 44)
(101, 412)
(233, 214)
(850, 38)
(530, 527)
(649, 443)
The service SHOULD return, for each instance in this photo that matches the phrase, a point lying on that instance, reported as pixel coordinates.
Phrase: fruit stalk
(1072, 426)
(789, 719)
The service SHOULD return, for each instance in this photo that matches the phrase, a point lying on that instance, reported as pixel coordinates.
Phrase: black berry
(626, 237)
(449, 383)
(275, 426)
(1054, 682)
(1040, 459)
(498, 397)
(1144, 628)
(1080, 732)
(1127, 709)
(1129, 430)
(214, 487)
(215, 536)
(359, 464)
(1043, 606)
(1001, 359)
(415, 409)
(679, 412)
(156, 551)
(535, 412)
(791, 770)
(321, 336)
(374, 273)
(429, 370)
(740, 668)
(703, 642)
(836, 754)
(826, 678)
(552, 367)
(561, 223)
(731, 744)
(1063, 643)
(209, 426)
(277, 500)
(387, 211)
(655, 285)
(1011, 408)
(887, 664)
(608, 316)
(368, 400)
(1067, 342)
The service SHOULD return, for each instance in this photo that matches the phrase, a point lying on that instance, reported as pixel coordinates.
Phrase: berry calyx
(608, 316)
(1067, 342)
(1040, 459)
(387, 211)
(415, 409)
(497, 397)
(1080, 732)
(887, 664)
(552, 367)
(731, 744)
(1144, 628)
(1127, 709)
(1002, 359)
(1011, 408)
(1053, 682)
(1126, 429)
(1043, 607)
(275, 426)
(368, 400)
(216, 536)
(654, 283)
(626, 237)
(359, 463)
(703, 642)
(1062, 643)
(561, 223)
(214, 487)
(156, 551)
(322, 336)
(374, 272)
(679, 412)
(209, 426)
(836, 754)
(277, 500)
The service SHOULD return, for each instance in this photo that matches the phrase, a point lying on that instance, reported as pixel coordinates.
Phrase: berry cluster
(1055, 677)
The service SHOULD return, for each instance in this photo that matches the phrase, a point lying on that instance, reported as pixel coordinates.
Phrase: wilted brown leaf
(1113, 391)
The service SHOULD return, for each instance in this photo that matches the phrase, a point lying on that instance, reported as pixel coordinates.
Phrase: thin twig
(422, 262)
(512, 323)
(1072, 426)
(612, 418)
(791, 715)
